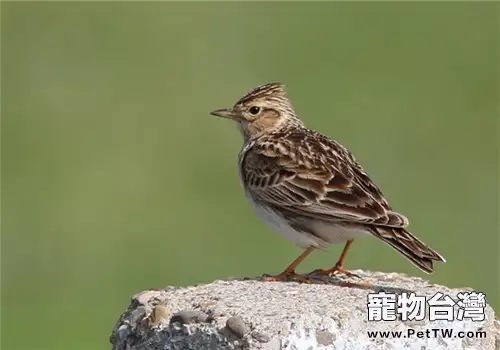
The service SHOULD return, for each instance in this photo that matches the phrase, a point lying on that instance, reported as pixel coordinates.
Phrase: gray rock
(190, 317)
(237, 326)
(260, 337)
(330, 314)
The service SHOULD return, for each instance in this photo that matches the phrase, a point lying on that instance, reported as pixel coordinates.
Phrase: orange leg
(289, 272)
(339, 266)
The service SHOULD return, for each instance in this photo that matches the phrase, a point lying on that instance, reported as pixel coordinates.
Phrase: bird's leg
(289, 272)
(338, 269)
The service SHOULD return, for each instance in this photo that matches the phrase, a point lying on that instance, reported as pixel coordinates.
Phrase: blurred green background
(116, 179)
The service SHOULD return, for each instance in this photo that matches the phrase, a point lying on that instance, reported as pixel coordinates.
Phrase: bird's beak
(225, 113)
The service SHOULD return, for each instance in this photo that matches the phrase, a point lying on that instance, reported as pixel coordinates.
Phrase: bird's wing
(309, 175)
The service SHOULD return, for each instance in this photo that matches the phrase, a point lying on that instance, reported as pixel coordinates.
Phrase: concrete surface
(251, 314)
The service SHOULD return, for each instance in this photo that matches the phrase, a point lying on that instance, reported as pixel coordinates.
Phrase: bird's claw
(336, 270)
(286, 276)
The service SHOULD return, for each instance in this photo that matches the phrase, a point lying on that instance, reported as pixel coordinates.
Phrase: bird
(309, 188)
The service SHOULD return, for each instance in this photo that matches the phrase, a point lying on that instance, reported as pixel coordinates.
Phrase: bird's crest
(270, 89)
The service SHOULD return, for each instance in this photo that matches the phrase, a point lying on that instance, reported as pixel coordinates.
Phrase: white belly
(325, 233)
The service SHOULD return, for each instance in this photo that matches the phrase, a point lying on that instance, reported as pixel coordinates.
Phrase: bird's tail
(410, 246)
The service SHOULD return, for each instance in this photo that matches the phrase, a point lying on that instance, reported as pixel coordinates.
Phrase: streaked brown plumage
(309, 188)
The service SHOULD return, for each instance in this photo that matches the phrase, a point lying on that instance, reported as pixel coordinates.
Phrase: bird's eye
(254, 110)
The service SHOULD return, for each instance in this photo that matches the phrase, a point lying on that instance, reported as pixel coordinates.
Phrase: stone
(327, 314)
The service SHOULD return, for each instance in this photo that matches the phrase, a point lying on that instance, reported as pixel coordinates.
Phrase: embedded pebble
(237, 326)
(191, 317)
(325, 338)
(260, 337)
(160, 314)
(123, 332)
(137, 315)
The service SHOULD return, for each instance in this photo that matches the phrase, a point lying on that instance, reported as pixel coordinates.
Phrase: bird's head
(262, 110)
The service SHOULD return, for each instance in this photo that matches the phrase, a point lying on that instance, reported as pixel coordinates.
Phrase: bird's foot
(286, 276)
(336, 270)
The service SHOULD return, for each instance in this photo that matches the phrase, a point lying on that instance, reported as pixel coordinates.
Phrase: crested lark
(310, 189)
